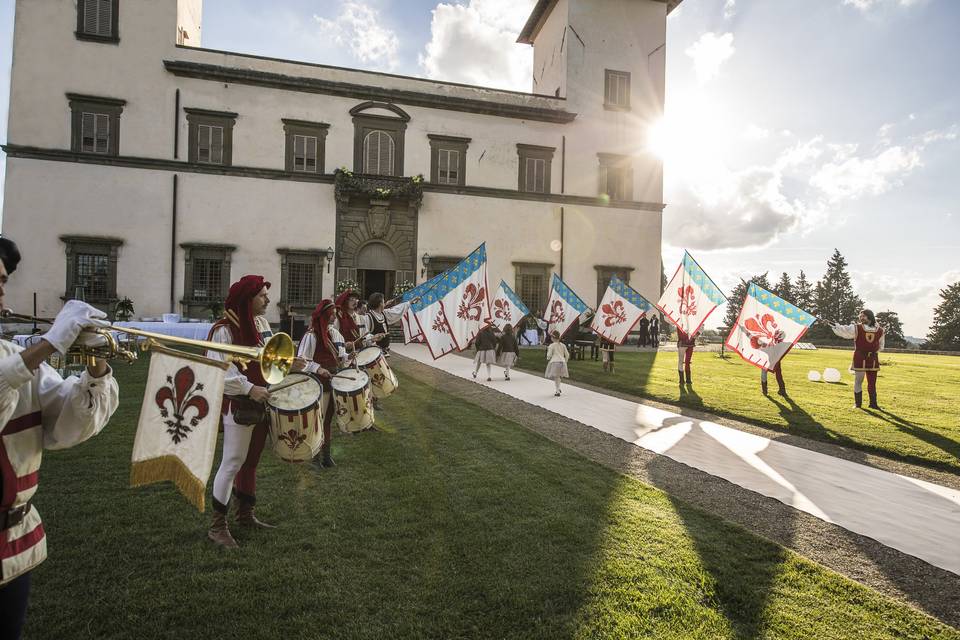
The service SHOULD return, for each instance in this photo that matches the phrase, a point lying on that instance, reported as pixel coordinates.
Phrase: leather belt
(15, 515)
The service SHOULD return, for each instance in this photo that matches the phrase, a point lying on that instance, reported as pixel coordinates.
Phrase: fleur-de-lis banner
(179, 420)
(564, 307)
(690, 297)
(767, 328)
(507, 307)
(620, 309)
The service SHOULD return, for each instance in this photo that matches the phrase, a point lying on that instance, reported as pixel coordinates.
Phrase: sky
(793, 127)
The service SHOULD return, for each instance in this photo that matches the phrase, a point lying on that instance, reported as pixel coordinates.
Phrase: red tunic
(866, 349)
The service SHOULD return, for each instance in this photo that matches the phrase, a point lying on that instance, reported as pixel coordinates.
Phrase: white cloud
(866, 5)
(911, 295)
(476, 44)
(358, 27)
(856, 177)
(756, 132)
(709, 52)
(729, 9)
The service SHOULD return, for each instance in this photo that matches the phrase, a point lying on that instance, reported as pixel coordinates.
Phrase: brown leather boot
(219, 532)
(246, 517)
(857, 400)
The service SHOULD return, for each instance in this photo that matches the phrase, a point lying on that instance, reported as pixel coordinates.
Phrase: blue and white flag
(465, 297)
(411, 330)
(564, 307)
(620, 309)
(690, 297)
(767, 328)
(432, 323)
(507, 307)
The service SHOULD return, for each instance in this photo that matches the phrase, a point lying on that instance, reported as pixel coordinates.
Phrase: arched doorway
(377, 266)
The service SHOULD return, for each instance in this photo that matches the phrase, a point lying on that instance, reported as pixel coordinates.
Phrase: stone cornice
(60, 155)
(303, 84)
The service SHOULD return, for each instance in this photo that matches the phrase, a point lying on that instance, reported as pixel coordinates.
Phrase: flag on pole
(411, 330)
(767, 328)
(690, 297)
(432, 323)
(564, 307)
(179, 421)
(465, 297)
(620, 310)
(507, 307)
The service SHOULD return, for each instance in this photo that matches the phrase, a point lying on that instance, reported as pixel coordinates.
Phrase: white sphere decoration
(813, 376)
(831, 375)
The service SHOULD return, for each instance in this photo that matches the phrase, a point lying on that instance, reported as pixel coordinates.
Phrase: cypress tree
(945, 331)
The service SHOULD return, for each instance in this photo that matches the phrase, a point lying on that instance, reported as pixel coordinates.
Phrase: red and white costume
(39, 410)
(867, 345)
(685, 346)
(331, 356)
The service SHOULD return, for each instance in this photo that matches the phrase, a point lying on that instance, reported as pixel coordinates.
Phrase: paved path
(913, 516)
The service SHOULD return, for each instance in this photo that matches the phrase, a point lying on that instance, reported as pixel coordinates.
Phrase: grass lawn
(449, 523)
(919, 395)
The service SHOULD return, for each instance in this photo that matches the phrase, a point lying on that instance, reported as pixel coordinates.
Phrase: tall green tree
(735, 299)
(945, 331)
(892, 329)
(803, 295)
(784, 288)
(835, 300)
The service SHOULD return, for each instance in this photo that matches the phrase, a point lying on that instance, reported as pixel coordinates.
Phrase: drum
(296, 418)
(354, 405)
(383, 381)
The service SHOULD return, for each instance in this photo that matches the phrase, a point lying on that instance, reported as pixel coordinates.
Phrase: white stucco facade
(257, 206)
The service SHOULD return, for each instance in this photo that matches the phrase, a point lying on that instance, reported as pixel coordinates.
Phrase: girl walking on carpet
(508, 351)
(486, 345)
(557, 356)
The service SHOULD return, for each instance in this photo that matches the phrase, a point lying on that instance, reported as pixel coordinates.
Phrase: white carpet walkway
(913, 516)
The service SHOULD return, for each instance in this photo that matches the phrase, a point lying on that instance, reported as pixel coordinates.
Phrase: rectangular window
(97, 19)
(604, 274)
(206, 277)
(210, 136)
(617, 90)
(448, 159)
(96, 124)
(304, 145)
(449, 165)
(301, 277)
(616, 176)
(531, 285)
(300, 289)
(535, 164)
(92, 275)
(92, 269)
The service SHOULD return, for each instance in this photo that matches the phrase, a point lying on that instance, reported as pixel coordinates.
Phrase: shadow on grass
(948, 446)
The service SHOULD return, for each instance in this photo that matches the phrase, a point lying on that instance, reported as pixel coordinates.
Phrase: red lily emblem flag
(620, 309)
(767, 328)
(690, 297)
(465, 297)
(507, 307)
(179, 420)
(564, 307)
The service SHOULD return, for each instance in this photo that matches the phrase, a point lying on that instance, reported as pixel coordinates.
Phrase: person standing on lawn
(685, 345)
(655, 332)
(781, 386)
(40, 410)
(486, 345)
(508, 351)
(867, 338)
(557, 356)
(606, 353)
(644, 327)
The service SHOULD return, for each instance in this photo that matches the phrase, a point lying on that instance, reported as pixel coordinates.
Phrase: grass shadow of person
(945, 444)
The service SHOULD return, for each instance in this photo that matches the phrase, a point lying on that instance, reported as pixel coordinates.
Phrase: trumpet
(275, 357)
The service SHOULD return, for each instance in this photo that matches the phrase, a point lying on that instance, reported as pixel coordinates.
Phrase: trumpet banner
(620, 310)
(767, 328)
(507, 307)
(179, 421)
(689, 297)
(564, 307)
(465, 297)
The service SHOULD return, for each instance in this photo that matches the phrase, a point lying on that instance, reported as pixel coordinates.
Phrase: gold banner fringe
(169, 468)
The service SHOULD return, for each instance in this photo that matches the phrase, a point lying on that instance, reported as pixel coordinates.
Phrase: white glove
(72, 319)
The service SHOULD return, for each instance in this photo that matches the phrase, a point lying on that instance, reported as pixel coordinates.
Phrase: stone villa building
(140, 164)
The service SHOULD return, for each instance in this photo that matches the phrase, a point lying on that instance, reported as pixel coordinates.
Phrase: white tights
(236, 441)
(556, 382)
(477, 368)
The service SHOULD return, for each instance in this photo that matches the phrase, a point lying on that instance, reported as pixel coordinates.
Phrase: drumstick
(287, 385)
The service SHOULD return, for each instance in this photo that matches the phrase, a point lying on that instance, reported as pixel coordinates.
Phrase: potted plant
(123, 309)
(216, 309)
(345, 285)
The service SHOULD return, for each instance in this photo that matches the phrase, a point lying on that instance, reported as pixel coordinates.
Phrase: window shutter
(104, 17)
(310, 163)
(102, 132)
(88, 131)
(216, 145)
(443, 168)
(386, 154)
(371, 152)
(90, 10)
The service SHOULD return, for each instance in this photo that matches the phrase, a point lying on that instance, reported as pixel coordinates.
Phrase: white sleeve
(880, 344)
(338, 342)
(308, 345)
(234, 383)
(394, 314)
(13, 375)
(848, 331)
(74, 409)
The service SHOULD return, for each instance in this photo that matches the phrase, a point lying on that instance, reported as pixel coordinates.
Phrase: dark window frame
(440, 143)
(313, 257)
(608, 75)
(198, 117)
(538, 269)
(534, 152)
(292, 128)
(191, 305)
(618, 163)
(92, 245)
(113, 38)
(439, 264)
(98, 105)
(364, 123)
(605, 272)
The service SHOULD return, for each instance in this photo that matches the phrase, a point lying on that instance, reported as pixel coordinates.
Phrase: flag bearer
(867, 338)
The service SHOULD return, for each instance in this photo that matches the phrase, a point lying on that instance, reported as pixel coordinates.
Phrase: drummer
(324, 349)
